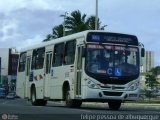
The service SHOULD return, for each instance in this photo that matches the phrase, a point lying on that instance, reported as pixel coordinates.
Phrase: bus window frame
(69, 54)
(36, 62)
(59, 56)
(21, 66)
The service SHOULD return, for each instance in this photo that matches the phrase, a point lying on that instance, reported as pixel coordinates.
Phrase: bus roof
(57, 40)
(62, 39)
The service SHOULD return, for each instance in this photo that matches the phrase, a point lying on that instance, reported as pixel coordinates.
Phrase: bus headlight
(133, 86)
(93, 85)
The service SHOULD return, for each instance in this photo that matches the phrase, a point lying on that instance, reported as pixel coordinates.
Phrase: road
(23, 110)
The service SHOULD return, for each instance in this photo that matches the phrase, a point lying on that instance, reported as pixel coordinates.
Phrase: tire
(72, 103)
(77, 103)
(114, 104)
(69, 101)
(34, 101)
(42, 102)
(37, 102)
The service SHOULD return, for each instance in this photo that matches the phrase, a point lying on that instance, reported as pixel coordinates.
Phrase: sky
(27, 22)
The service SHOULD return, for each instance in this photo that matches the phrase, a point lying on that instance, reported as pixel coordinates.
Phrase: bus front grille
(112, 93)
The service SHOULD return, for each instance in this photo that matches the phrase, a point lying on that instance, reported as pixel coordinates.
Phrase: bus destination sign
(112, 38)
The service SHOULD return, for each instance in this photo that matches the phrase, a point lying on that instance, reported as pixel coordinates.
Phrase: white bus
(90, 66)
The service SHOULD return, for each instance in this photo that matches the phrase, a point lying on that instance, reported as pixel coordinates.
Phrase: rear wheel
(114, 104)
(42, 102)
(35, 101)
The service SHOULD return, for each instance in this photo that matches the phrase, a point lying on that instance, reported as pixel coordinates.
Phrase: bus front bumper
(105, 95)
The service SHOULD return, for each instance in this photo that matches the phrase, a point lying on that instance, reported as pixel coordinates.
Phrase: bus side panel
(20, 88)
(47, 68)
(38, 78)
(57, 78)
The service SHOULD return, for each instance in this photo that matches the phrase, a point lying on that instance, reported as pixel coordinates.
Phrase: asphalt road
(19, 109)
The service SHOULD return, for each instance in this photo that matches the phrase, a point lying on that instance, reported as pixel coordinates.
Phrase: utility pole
(96, 19)
(64, 16)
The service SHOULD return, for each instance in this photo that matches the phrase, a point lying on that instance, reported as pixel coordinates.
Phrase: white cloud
(42, 5)
(29, 42)
(11, 5)
(8, 30)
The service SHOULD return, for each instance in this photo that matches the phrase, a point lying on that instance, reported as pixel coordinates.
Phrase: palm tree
(48, 38)
(91, 23)
(57, 31)
(76, 22)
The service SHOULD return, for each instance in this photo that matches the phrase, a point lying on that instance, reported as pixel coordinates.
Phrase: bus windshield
(112, 60)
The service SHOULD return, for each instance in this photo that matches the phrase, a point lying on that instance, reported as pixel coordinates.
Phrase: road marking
(88, 111)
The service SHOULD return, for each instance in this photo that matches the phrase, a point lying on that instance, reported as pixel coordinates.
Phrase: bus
(90, 66)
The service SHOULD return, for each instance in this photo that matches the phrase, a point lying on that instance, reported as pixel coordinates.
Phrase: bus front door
(79, 71)
(47, 74)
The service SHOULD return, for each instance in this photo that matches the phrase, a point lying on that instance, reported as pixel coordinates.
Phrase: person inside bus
(101, 62)
(65, 59)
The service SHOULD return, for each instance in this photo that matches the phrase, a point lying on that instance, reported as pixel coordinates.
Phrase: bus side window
(58, 55)
(22, 62)
(33, 60)
(38, 58)
(70, 52)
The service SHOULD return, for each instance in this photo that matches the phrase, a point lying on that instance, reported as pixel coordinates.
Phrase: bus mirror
(83, 52)
(142, 52)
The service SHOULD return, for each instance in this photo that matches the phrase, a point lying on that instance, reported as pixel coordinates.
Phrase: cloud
(29, 42)
(8, 30)
(25, 4)
(23, 25)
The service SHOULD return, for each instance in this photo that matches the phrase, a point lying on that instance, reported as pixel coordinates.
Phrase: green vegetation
(153, 86)
(145, 101)
(151, 78)
(74, 23)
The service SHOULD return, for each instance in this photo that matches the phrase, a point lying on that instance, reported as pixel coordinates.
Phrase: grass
(147, 101)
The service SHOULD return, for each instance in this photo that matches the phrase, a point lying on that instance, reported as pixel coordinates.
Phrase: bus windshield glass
(112, 60)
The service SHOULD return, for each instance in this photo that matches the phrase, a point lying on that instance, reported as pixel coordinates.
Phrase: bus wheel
(114, 104)
(72, 103)
(69, 101)
(77, 103)
(33, 97)
(42, 102)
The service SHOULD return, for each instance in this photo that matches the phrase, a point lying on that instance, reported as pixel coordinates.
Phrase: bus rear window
(22, 62)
